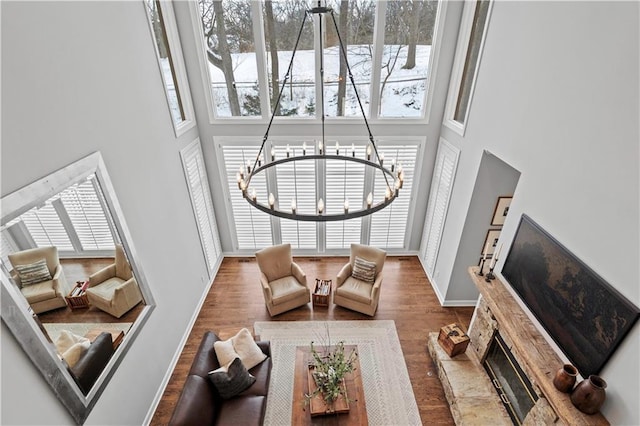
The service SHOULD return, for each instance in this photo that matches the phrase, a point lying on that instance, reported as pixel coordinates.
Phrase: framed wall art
(490, 242)
(501, 211)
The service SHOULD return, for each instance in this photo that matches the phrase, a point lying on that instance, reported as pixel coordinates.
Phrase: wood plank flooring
(235, 301)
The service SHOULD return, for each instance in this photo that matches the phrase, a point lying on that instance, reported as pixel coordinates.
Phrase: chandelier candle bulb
(288, 150)
(260, 161)
(387, 193)
(254, 196)
(369, 200)
(238, 179)
(272, 200)
(398, 185)
(320, 147)
(381, 158)
(346, 205)
(401, 178)
(304, 148)
(353, 150)
(248, 167)
(243, 186)
(320, 206)
(273, 154)
(293, 206)
(337, 148)
(393, 164)
(368, 152)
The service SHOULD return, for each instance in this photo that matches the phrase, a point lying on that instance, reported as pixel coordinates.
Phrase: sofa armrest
(102, 275)
(127, 291)
(344, 273)
(298, 273)
(88, 368)
(198, 404)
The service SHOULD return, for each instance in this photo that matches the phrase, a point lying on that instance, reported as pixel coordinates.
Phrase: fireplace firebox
(511, 383)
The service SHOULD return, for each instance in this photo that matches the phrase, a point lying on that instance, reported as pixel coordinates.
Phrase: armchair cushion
(40, 292)
(286, 289)
(275, 262)
(364, 270)
(106, 289)
(232, 379)
(356, 290)
(33, 273)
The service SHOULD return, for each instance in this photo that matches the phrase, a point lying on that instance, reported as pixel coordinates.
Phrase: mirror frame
(18, 315)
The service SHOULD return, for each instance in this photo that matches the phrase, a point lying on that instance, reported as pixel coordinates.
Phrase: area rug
(82, 328)
(388, 394)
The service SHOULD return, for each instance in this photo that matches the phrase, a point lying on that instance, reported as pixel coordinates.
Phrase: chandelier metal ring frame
(244, 180)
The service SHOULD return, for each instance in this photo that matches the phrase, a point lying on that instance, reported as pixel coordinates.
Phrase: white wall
(79, 77)
(557, 99)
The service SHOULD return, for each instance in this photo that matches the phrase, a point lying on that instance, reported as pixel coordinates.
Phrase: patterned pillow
(364, 270)
(33, 273)
(231, 379)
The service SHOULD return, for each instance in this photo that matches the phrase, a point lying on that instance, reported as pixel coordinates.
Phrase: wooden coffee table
(300, 414)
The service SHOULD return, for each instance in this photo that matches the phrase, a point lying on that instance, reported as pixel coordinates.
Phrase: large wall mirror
(73, 291)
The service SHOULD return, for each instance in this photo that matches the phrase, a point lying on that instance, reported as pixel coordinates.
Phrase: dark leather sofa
(92, 362)
(199, 402)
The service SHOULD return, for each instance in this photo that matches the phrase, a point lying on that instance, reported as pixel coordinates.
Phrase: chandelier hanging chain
(276, 106)
(390, 193)
(355, 90)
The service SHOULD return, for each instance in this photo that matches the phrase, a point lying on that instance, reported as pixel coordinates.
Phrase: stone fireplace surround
(469, 391)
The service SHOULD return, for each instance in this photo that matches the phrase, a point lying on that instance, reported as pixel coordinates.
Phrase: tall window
(172, 69)
(472, 34)
(76, 221)
(196, 176)
(335, 181)
(248, 47)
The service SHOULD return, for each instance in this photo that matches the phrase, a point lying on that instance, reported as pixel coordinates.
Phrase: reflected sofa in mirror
(73, 292)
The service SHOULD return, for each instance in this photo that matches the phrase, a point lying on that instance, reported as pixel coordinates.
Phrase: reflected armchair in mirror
(41, 280)
(114, 289)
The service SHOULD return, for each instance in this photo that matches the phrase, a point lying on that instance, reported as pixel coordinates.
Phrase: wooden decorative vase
(589, 395)
(565, 378)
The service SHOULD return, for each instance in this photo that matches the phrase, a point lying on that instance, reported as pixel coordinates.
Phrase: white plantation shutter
(341, 234)
(87, 216)
(389, 225)
(300, 234)
(46, 228)
(441, 186)
(196, 176)
(253, 227)
(7, 247)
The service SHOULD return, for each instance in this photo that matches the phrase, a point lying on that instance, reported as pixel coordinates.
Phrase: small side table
(322, 292)
(78, 299)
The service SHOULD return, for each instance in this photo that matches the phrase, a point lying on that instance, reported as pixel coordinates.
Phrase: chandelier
(393, 176)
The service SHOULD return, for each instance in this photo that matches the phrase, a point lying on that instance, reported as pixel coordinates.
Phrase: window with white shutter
(196, 176)
(252, 227)
(46, 228)
(389, 225)
(441, 186)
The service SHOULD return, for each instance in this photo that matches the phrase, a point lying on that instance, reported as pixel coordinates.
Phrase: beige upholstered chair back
(50, 254)
(275, 261)
(372, 254)
(123, 269)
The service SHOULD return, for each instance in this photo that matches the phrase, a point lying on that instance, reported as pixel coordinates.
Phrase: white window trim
(179, 69)
(466, 24)
(374, 86)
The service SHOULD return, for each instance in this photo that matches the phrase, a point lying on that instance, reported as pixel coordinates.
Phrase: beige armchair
(114, 289)
(45, 295)
(284, 284)
(354, 293)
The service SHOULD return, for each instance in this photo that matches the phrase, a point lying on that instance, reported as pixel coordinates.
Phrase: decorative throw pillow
(240, 346)
(364, 270)
(247, 349)
(71, 346)
(33, 273)
(224, 351)
(231, 379)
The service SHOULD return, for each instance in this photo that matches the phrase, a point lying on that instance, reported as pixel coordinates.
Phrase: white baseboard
(443, 302)
(176, 355)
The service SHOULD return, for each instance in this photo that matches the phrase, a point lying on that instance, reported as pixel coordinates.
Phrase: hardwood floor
(235, 301)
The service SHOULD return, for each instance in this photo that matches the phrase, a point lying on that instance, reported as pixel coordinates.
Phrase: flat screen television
(584, 315)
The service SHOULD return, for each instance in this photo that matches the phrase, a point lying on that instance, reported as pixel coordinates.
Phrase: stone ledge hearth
(468, 388)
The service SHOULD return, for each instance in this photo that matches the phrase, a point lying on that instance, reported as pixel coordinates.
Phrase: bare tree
(270, 35)
(416, 11)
